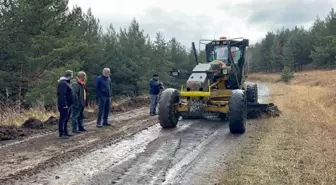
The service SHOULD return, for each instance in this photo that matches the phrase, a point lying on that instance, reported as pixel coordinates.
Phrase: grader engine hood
(198, 80)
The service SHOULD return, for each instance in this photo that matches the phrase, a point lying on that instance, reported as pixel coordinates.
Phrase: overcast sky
(190, 20)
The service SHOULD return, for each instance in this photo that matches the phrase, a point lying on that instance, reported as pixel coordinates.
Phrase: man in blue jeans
(104, 93)
(154, 89)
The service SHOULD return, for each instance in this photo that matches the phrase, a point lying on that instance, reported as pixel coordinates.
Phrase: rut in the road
(163, 155)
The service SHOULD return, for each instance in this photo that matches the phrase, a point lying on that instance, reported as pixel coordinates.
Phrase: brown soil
(130, 104)
(31, 156)
(10, 132)
(33, 123)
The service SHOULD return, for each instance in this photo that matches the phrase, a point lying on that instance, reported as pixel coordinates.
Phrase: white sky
(191, 20)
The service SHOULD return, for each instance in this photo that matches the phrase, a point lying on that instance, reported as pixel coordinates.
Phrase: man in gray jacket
(79, 91)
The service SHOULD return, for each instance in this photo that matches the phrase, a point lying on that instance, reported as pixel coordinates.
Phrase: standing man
(64, 102)
(79, 92)
(104, 93)
(154, 90)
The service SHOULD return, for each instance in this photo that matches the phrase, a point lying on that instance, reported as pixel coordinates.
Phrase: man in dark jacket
(154, 89)
(104, 93)
(79, 92)
(64, 101)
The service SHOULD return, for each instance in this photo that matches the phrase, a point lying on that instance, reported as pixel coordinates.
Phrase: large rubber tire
(252, 93)
(168, 117)
(237, 111)
(187, 116)
(222, 116)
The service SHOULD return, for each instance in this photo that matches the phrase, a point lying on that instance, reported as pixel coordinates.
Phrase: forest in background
(297, 49)
(39, 40)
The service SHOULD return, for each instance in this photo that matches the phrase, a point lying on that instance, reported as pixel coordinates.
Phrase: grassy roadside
(300, 146)
(19, 123)
(323, 78)
(12, 115)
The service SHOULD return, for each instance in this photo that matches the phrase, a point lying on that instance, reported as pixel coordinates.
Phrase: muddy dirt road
(136, 150)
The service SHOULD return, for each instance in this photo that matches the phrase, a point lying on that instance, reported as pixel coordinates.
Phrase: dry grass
(13, 115)
(264, 77)
(323, 78)
(297, 148)
(115, 103)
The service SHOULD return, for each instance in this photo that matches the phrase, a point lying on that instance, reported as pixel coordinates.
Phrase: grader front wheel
(237, 111)
(168, 116)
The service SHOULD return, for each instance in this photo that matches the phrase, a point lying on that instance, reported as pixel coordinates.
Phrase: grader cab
(214, 87)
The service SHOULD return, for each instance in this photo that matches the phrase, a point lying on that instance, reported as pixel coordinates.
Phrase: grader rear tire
(252, 93)
(237, 112)
(168, 116)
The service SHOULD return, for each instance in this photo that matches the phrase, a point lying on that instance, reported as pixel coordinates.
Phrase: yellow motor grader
(216, 86)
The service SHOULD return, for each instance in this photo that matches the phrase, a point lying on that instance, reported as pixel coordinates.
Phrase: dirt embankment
(35, 126)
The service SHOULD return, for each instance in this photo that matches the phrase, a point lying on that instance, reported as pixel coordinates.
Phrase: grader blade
(255, 110)
(257, 106)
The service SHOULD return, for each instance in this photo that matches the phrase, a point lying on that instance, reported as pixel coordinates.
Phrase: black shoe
(69, 135)
(76, 131)
(107, 124)
(64, 137)
(152, 114)
(99, 126)
(82, 130)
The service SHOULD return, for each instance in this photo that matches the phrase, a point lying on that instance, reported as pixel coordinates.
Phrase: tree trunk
(20, 82)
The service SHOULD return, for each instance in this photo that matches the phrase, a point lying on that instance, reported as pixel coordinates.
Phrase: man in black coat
(64, 102)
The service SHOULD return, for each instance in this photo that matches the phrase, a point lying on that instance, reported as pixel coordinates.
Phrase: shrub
(286, 74)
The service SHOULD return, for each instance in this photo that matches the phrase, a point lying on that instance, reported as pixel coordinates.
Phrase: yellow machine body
(215, 100)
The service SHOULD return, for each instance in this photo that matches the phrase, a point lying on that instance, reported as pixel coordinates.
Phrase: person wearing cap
(104, 94)
(79, 92)
(64, 102)
(154, 89)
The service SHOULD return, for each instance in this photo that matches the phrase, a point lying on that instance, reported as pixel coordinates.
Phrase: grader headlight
(225, 71)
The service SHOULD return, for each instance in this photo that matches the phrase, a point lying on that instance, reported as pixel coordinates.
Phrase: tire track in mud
(166, 154)
(14, 168)
(178, 170)
(151, 156)
(113, 161)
